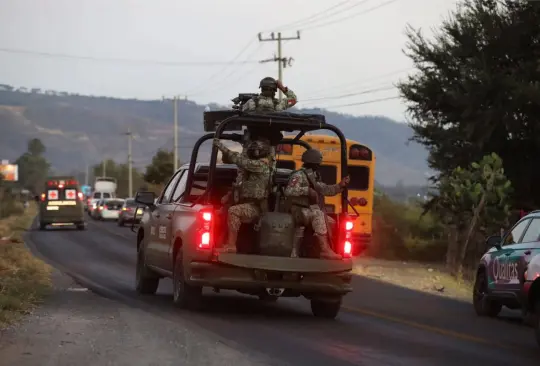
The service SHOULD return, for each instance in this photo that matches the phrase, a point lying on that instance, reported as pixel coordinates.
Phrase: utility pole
(282, 61)
(175, 101)
(130, 163)
(104, 167)
(86, 175)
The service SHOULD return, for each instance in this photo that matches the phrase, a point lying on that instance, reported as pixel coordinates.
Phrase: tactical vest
(264, 107)
(303, 201)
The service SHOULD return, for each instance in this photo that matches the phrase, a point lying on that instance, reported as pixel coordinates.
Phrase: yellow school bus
(361, 167)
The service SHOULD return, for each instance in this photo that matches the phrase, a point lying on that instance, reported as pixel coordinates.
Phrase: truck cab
(180, 232)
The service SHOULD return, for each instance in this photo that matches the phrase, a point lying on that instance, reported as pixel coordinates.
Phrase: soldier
(304, 190)
(266, 101)
(254, 188)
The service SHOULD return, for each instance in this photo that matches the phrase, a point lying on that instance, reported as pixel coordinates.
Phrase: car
(61, 203)
(127, 213)
(509, 272)
(108, 209)
(180, 235)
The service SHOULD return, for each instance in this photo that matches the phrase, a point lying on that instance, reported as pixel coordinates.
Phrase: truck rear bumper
(227, 277)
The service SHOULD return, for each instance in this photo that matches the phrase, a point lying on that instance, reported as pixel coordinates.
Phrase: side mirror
(494, 241)
(145, 198)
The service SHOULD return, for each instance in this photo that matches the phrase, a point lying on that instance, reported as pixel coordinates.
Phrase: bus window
(286, 164)
(328, 174)
(97, 195)
(359, 178)
(106, 195)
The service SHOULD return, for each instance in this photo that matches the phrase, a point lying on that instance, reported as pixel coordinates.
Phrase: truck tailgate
(284, 264)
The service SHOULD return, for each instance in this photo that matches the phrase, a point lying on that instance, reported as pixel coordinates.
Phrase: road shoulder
(76, 326)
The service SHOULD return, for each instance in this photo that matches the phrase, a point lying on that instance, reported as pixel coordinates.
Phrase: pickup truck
(179, 233)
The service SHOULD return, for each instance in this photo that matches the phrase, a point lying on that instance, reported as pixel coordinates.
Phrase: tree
(33, 167)
(161, 169)
(472, 203)
(477, 90)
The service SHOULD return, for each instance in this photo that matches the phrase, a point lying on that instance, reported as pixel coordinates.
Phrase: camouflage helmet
(312, 156)
(258, 149)
(268, 83)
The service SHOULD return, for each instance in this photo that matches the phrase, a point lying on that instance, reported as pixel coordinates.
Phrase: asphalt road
(380, 324)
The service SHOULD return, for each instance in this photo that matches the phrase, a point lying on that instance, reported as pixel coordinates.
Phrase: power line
(357, 82)
(360, 103)
(220, 83)
(213, 76)
(350, 94)
(321, 25)
(123, 60)
(312, 16)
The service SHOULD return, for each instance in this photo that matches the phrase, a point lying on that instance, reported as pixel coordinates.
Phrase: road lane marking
(105, 228)
(429, 328)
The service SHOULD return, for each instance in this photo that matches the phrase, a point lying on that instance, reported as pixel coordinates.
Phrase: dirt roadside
(77, 327)
(430, 278)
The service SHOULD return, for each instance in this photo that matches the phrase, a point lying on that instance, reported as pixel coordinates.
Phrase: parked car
(509, 273)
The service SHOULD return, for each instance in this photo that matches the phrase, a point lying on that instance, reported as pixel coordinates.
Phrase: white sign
(505, 270)
(163, 232)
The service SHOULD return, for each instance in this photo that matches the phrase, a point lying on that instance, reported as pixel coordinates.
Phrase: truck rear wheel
(42, 226)
(81, 226)
(537, 321)
(146, 282)
(185, 295)
(325, 309)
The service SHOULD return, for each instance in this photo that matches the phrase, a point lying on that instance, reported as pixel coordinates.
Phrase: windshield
(130, 203)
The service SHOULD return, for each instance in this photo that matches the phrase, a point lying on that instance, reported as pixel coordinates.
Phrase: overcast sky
(134, 48)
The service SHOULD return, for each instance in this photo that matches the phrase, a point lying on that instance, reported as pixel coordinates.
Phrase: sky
(349, 52)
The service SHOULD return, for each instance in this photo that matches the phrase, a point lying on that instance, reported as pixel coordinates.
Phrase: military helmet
(312, 156)
(258, 149)
(268, 83)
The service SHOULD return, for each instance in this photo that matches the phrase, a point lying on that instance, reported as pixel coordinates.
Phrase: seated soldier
(253, 190)
(305, 190)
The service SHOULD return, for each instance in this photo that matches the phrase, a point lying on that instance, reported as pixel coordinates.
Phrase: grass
(429, 278)
(24, 279)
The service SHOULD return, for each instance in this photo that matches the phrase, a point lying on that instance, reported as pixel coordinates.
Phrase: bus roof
(328, 139)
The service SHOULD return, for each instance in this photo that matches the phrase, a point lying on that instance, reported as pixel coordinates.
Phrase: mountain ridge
(82, 130)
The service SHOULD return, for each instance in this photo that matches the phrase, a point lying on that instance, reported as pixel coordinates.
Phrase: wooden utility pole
(282, 62)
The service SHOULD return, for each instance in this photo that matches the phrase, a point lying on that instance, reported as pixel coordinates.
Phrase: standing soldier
(265, 102)
(253, 190)
(305, 191)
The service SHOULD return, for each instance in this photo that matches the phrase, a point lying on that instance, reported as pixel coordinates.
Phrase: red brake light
(205, 242)
(80, 195)
(353, 201)
(42, 197)
(362, 201)
(347, 249)
(348, 225)
(285, 149)
(359, 153)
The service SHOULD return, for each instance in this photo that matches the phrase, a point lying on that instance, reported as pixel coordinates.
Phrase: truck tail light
(348, 226)
(205, 242)
(80, 196)
(43, 197)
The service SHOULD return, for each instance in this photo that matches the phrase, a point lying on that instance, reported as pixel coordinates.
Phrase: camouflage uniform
(267, 104)
(307, 214)
(253, 191)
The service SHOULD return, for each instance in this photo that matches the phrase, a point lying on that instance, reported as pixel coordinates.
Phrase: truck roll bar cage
(280, 122)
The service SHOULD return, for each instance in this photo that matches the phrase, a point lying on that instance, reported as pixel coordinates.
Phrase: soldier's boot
(298, 238)
(325, 251)
(230, 247)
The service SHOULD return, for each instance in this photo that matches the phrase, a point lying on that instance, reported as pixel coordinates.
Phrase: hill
(79, 130)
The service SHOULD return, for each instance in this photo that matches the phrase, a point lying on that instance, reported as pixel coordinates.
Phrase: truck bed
(284, 264)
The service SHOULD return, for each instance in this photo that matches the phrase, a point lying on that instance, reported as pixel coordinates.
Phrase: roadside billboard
(10, 172)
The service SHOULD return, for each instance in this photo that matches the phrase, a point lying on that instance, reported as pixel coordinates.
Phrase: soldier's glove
(345, 182)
